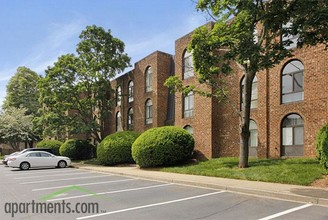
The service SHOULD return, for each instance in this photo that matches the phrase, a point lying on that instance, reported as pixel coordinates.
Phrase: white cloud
(60, 39)
(164, 40)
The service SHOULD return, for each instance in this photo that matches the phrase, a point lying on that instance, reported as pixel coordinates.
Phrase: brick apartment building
(289, 104)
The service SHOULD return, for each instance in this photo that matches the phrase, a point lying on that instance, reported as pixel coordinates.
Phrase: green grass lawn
(299, 171)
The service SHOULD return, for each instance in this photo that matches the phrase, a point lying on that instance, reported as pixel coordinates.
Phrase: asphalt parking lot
(79, 194)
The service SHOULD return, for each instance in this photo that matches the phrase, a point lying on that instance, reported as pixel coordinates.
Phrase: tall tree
(16, 127)
(76, 92)
(22, 91)
(255, 34)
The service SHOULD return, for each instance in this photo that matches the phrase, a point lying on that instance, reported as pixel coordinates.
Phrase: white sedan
(33, 159)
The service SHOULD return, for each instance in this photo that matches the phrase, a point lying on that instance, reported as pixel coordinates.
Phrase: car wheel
(62, 164)
(24, 166)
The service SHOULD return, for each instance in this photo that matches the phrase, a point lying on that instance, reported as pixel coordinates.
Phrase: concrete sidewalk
(281, 191)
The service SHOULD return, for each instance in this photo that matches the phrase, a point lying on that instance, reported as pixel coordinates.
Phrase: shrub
(77, 149)
(322, 146)
(116, 148)
(52, 144)
(167, 145)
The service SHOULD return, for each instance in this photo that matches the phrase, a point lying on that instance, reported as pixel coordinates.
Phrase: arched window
(253, 139)
(292, 82)
(118, 96)
(189, 129)
(118, 122)
(149, 79)
(131, 91)
(188, 105)
(254, 93)
(292, 136)
(130, 119)
(188, 67)
(149, 111)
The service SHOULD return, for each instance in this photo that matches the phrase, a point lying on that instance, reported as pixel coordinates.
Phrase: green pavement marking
(70, 188)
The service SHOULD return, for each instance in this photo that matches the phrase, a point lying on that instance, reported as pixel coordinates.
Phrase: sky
(34, 33)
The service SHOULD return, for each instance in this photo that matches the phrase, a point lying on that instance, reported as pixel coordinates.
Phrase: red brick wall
(201, 121)
(270, 112)
(216, 124)
(314, 108)
(160, 63)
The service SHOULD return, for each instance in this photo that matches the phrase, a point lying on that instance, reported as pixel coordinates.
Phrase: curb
(272, 194)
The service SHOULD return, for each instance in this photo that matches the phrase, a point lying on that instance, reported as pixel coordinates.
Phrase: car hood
(61, 157)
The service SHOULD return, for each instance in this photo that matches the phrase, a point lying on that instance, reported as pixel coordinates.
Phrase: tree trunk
(245, 118)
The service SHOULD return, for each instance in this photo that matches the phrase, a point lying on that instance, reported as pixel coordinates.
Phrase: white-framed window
(189, 129)
(118, 122)
(188, 105)
(130, 119)
(131, 87)
(188, 66)
(292, 132)
(253, 139)
(292, 89)
(149, 79)
(254, 93)
(149, 111)
(118, 96)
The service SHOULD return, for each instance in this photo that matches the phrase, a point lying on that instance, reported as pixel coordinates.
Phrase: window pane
(118, 122)
(118, 96)
(188, 105)
(298, 82)
(254, 91)
(298, 136)
(189, 129)
(149, 79)
(293, 97)
(287, 83)
(253, 138)
(130, 91)
(287, 136)
(191, 103)
(187, 65)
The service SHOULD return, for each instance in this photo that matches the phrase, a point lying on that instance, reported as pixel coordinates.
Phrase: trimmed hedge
(162, 146)
(116, 148)
(52, 144)
(322, 146)
(77, 149)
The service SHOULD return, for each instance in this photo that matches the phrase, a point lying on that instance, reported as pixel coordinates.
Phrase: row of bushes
(155, 147)
(74, 149)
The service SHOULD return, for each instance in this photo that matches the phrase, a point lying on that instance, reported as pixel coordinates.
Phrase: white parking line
(286, 212)
(83, 184)
(110, 192)
(46, 181)
(30, 172)
(64, 174)
(150, 205)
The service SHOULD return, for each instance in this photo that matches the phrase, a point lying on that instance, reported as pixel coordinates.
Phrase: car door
(47, 160)
(34, 159)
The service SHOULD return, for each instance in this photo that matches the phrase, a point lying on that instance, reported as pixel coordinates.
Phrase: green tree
(16, 127)
(22, 91)
(233, 40)
(75, 92)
